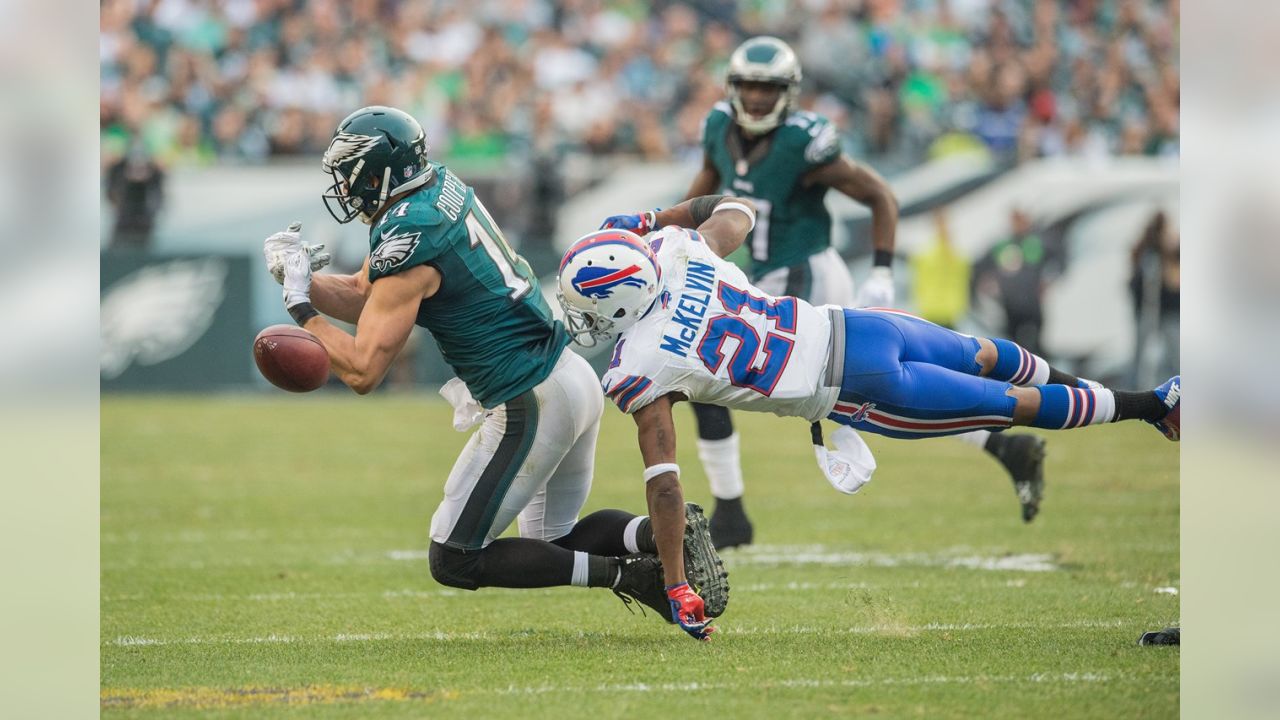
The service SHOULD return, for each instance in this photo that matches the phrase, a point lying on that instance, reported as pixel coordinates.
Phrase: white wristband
(740, 207)
(654, 471)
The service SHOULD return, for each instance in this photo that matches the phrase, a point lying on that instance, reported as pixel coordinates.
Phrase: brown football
(291, 358)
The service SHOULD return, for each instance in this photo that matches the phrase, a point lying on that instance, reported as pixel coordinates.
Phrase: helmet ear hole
(619, 313)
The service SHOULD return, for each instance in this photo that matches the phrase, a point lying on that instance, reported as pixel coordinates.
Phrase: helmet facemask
(758, 125)
(587, 328)
(345, 205)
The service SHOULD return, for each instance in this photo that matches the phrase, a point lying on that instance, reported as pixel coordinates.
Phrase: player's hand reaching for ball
(275, 247)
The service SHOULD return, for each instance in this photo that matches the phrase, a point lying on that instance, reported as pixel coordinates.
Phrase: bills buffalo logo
(860, 412)
(599, 282)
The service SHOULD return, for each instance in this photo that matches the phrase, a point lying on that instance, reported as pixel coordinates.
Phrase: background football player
(759, 145)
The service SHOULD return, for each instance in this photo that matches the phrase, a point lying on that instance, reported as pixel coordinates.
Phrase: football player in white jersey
(687, 325)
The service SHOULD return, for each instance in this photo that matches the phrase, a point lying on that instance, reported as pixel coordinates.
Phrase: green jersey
(489, 317)
(792, 222)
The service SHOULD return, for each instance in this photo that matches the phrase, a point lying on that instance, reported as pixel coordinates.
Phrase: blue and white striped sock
(1017, 366)
(1063, 407)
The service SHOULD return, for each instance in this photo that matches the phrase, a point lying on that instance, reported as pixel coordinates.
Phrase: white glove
(877, 290)
(297, 278)
(274, 248)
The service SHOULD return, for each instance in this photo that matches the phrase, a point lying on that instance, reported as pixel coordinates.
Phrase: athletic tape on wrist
(740, 207)
(654, 471)
(302, 312)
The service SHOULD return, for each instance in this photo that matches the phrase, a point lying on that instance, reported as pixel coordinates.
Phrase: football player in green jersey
(759, 145)
(437, 259)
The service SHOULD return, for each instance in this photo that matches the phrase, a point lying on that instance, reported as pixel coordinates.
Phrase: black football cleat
(1167, 636)
(729, 524)
(702, 564)
(1023, 456)
(641, 580)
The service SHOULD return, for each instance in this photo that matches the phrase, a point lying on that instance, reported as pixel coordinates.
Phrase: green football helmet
(769, 60)
(376, 153)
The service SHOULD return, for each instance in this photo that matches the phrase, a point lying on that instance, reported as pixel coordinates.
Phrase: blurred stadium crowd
(195, 82)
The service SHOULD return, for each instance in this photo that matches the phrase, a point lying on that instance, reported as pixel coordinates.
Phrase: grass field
(264, 556)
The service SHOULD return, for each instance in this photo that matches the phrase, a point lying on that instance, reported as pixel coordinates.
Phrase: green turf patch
(265, 557)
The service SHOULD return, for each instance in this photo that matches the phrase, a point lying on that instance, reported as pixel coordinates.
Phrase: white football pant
(532, 457)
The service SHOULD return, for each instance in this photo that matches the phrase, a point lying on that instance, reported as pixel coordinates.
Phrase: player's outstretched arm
(382, 329)
(865, 186)
(385, 321)
(657, 435)
(666, 512)
(723, 221)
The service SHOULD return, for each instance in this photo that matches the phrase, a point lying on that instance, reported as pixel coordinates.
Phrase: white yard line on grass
(412, 594)
(134, 640)
(755, 555)
(889, 628)
(958, 557)
(1050, 678)
(769, 555)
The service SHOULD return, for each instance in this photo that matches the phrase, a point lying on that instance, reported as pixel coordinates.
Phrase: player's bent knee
(455, 568)
(1027, 404)
(987, 356)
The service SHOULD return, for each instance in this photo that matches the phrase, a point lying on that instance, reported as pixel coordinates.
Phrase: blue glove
(641, 223)
(687, 610)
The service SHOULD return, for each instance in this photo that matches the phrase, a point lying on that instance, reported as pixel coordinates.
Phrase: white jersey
(716, 339)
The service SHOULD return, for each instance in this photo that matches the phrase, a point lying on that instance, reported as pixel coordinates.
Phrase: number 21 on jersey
(754, 364)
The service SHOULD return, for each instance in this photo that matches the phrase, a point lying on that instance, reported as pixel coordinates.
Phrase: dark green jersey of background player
(489, 317)
(792, 221)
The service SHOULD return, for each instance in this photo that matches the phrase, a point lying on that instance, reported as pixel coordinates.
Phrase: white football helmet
(769, 60)
(608, 280)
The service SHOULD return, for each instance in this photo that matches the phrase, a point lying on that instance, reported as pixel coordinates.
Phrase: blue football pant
(905, 377)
